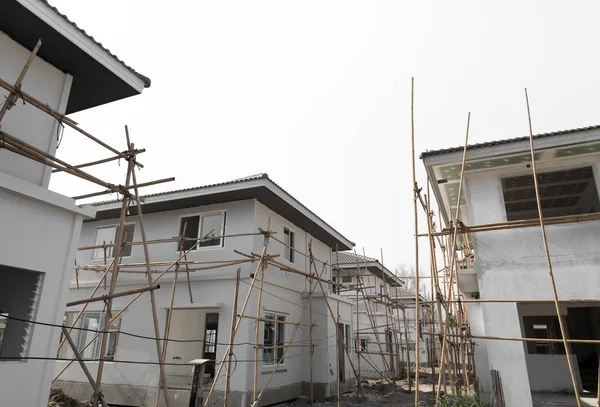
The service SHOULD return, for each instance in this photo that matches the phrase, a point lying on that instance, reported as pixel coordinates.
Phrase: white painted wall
(44, 82)
(40, 228)
(511, 264)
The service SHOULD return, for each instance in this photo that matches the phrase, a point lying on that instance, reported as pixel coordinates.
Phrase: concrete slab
(562, 400)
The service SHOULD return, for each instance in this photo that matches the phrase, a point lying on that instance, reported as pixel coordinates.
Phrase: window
(411, 346)
(364, 345)
(92, 323)
(381, 289)
(288, 239)
(334, 288)
(543, 327)
(211, 226)
(346, 279)
(108, 235)
(347, 335)
(20, 292)
(273, 339)
(565, 192)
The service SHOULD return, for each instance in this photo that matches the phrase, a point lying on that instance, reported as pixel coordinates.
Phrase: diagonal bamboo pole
(561, 323)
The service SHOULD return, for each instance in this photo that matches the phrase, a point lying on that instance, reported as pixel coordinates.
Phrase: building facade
(232, 213)
(510, 264)
(71, 72)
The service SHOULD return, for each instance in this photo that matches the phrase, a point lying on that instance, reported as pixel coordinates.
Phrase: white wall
(44, 82)
(511, 264)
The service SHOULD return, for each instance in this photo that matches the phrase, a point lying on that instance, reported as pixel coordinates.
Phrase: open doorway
(190, 324)
(584, 323)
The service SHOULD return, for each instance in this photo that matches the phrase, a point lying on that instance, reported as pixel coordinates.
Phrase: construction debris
(59, 399)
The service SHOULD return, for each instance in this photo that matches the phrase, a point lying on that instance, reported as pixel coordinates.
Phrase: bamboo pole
(563, 330)
(231, 337)
(116, 295)
(357, 343)
(13, 96)
(113, 284)
(267, 236)
(337, 354)
(453, 248)
(310, 335)
(257, 322)
(140, 185)
(81, 362)
(416, 222)
(408, 377)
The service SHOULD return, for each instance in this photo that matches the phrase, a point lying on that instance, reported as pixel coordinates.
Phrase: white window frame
(200, 216)
(286, 249)
(276, 315)
(109, 254)
(76, 335)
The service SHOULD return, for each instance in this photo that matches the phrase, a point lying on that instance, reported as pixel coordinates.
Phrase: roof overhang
(262, 189)
(98, 76)
(375, 268)
(514, 151)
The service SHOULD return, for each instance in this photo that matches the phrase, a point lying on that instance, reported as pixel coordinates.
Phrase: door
(210, 341)
(341, 353)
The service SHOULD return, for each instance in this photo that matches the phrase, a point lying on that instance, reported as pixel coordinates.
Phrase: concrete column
(482, 367)
(507, 357)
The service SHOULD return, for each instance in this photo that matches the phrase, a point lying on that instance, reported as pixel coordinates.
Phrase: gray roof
(349, 260)
(268, 193)
(175, 191)
(340, 258)
(505, 141)
(144, 78)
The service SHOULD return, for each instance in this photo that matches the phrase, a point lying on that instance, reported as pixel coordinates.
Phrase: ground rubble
(59, 399)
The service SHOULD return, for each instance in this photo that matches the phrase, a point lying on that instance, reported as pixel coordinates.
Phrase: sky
(317, 95)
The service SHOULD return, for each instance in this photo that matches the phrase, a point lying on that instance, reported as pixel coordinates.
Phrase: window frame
(292, 252)
(277, 353)
(111, 255)
(77, 334)
(201, 215)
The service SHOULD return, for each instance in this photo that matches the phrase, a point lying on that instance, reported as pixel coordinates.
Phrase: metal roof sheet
(504, 141)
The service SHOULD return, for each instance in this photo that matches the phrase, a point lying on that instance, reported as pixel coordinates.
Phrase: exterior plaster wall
(44, 82)
(511, 264)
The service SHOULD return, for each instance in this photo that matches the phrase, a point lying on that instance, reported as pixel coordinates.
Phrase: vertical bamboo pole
(385, 301)
(113, 283)
(416, 221)
(337, 351)
(452, 253)
(258, 311)
(231, 337)
(310, 335)
(170, 312)
(406, 339)
(563, 330)
(357, 343)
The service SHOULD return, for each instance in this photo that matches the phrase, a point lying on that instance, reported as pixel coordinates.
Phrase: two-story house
(384, 312)
(232, 213)
(510, 263)
(40, 228)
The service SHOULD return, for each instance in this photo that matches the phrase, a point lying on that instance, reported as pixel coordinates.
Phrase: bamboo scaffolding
(337, 353)
(115, 295)
(231, 337)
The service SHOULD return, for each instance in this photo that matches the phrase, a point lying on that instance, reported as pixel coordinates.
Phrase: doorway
(584, 323)
(211, 329)
(341, 352)
(193, 325)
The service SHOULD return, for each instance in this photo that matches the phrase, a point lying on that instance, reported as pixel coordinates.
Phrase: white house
(383, 334)
(202, 311)
(40, 228)
(511, 264)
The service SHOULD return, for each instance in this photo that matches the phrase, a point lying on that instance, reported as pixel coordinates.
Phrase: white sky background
(317, 94)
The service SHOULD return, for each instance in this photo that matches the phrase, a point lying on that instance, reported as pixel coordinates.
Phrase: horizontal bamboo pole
(188, 269)
(273, 320)
(102, 161)
(170, 240)
(555, 220)
(516, 339)
(115, 295)
(501, 300)
(141, 185)
(44, 107)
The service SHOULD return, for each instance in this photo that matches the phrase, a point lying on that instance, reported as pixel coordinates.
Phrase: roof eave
(45, 13)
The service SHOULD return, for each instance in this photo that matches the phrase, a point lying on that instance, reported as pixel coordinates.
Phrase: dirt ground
(379, 393)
